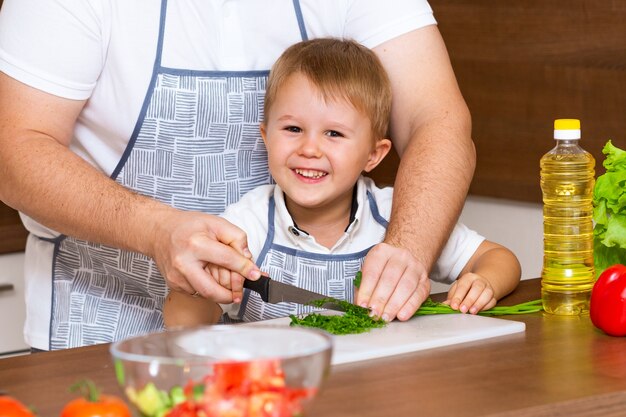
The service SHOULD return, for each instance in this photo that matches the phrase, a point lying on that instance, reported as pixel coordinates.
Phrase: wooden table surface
(559, 366)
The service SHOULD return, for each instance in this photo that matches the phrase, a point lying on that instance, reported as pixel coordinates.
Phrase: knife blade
(274, 292)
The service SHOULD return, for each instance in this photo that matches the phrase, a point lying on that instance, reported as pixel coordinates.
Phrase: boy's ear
(263, 133)
(381, 149)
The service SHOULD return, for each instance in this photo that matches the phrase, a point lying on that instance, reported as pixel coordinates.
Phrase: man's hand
(394, 284)
(203, 255)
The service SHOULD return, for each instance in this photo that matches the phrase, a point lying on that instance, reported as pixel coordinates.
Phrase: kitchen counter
(559, 363)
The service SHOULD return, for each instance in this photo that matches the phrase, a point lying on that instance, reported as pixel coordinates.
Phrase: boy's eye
(293, 129)
(334, 134)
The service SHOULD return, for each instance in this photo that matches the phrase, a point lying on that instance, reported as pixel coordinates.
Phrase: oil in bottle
(567, 181)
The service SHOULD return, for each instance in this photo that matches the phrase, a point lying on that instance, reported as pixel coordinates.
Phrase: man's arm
(431, 130)
(44, 179)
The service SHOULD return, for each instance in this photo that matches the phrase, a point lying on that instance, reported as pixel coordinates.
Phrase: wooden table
(559, 363)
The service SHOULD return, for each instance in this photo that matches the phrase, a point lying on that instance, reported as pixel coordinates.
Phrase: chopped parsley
(357, 320)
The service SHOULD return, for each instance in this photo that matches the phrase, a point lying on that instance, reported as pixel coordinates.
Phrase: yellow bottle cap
(567, 124)
(567, 129)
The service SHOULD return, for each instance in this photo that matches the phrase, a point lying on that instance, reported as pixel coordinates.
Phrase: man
(112, 139)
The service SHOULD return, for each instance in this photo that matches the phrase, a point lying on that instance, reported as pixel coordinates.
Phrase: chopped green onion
(432, 307)
(357, 320)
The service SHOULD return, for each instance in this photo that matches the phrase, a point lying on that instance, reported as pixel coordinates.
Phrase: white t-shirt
(104, 52)
(250, 214)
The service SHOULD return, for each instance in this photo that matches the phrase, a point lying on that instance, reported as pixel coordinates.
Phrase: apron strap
(296, 6)
(271, 230)
(159, 49)
(375, 213)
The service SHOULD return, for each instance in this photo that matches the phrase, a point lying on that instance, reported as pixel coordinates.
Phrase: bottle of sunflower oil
(567, 181)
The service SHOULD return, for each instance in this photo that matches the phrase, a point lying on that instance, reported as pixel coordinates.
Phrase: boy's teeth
(309, 173)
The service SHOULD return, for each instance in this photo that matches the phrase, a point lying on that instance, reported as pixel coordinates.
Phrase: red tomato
(608, 301)
(244, 389)
(10, 407)
(229, 377)
(185, 409)
(106, 406)
(94, 404)
(270, 404)
(226, 407)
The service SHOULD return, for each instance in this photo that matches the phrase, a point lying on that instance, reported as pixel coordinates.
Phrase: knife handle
(261, 286)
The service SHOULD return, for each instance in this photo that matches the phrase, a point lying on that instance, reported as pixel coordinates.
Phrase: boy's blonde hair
(339, 69)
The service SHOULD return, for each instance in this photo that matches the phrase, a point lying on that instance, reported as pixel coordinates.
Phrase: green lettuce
(609, 211)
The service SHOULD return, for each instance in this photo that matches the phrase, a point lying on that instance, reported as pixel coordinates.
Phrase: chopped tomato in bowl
(244, 389)
(224, 371)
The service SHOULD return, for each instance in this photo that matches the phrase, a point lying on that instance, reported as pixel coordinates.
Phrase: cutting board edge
(512, 328)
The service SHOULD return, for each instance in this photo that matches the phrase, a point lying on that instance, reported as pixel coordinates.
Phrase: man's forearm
(431, 130)
(41, 177)
(49, 183)
(432, 181)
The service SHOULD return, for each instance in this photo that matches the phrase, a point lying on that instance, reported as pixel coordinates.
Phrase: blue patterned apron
(196, 146)
(328, 274)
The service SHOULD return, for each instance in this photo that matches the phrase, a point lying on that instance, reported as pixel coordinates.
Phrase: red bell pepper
(608, 301)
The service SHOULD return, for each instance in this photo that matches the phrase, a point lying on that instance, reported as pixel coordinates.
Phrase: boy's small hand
(228, 279)
(471, 293)
(394, 284)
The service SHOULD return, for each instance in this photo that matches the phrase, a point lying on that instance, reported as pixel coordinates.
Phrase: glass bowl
(223, 370)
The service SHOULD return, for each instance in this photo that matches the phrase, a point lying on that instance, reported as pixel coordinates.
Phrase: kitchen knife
(274, 292)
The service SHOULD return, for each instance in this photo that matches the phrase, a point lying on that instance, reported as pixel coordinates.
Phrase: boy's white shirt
(251, 215)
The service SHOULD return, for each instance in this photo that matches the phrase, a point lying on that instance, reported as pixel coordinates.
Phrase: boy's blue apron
(195, 146)
(328, 274)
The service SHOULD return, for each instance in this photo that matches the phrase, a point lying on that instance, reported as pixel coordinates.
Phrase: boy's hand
(394, 284)
(471, 293)
(228, 279)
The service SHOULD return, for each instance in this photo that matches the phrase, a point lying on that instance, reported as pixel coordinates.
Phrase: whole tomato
(94, 404)
(10, 407)
(608, 301)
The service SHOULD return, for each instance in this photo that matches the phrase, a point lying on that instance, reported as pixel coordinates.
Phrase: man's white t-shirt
(104, 52)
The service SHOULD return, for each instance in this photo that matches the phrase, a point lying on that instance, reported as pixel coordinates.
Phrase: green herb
(432, 307)
(609, 212)
(357, 320)
(354, 320)
(357, 279)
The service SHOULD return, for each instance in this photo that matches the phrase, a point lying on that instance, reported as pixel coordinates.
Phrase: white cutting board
(419, 333)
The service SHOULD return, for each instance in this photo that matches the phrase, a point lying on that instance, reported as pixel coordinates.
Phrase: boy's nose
(310, 147)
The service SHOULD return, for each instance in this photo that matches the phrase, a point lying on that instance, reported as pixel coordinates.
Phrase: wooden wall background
(520, 64)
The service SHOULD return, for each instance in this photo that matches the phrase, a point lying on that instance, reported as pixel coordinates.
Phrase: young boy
(327, 111)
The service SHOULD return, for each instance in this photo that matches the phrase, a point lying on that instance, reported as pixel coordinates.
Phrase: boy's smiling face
(318, 148)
